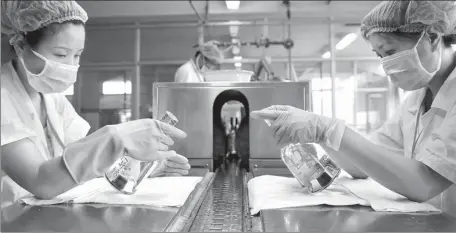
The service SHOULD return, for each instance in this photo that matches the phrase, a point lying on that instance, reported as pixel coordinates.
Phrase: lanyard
(56, 135)
(49, 124)
(415, 137)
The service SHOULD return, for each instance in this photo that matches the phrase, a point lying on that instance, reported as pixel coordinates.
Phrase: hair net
(19, 17)
(211, 51)
(411, 16)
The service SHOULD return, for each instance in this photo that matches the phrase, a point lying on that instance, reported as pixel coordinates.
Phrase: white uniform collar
(197, 71)
(444, 98)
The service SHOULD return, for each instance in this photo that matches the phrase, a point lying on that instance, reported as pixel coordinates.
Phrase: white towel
(157, 192)
(274, 192)
(381, 198)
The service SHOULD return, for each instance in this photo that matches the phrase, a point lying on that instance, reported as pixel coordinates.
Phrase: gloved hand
(293, 125)
(174, 165)
(145, 140)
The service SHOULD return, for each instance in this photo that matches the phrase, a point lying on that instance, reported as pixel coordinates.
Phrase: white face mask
(406, 71)
(56, 77)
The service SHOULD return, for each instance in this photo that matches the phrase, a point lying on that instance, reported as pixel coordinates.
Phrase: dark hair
(34, 38)
(197, 53)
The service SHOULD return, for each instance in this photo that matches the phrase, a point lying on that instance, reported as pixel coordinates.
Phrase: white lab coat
(19, 120)
(188, 73)
(436, 146)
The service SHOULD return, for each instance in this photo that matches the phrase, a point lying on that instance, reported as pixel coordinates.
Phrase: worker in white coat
(414, 152)
(207, 57)
(44, 147)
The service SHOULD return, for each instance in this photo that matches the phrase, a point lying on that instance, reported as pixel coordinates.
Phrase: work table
(102, 218)
(352, 219)
(205, 201)
(86, 218)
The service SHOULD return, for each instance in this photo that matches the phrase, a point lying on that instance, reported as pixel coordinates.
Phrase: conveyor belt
(224, 208)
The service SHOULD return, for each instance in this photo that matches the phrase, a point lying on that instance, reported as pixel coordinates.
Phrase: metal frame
(251, 60)
(333, 68)
(135, 65)
(220, 23)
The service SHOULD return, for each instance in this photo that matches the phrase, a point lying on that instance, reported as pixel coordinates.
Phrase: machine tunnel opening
(231, 128)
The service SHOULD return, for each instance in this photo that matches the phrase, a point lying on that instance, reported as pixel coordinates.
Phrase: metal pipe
(130, 65)
(257, 59)
(333, 68)
(136, 79)
(106, 26)
(260, 43)
(321, 88)
(201, 34)
(355, 94)
(290, 61)
(367, 113)
(125, 91)
(196, 12)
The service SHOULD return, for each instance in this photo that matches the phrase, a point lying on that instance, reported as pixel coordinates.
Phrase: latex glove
(145, 140)
(174, 165)
(293, 125)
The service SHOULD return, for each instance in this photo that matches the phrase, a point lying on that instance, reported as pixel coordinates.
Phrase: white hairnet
(211, 51)
(411, 16)
(20, 17)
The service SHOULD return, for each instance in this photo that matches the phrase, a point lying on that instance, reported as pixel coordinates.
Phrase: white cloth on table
(274, 192)
(157, 192)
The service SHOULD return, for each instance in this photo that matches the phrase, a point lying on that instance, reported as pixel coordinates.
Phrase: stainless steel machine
(233, 151)
(198, 107)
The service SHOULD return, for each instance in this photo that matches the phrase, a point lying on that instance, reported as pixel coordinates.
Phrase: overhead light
(326, 55)
(346, 41)
(232, 5)
(237, 58)
(237, 64)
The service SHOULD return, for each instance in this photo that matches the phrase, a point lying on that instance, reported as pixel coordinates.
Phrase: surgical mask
(406, 71)
(56, 77)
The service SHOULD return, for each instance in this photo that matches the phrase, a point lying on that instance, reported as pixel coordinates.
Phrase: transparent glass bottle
(127, 173)
(312, 172)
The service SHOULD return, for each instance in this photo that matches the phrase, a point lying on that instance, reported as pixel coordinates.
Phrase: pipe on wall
(333, 68)
(136, 79)
(253, 60)
(258, 22)
(355, 97)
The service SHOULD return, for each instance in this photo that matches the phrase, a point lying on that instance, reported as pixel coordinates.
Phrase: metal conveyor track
(223, 208)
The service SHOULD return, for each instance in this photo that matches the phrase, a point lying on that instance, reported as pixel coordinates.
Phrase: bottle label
(303, 164)
(123, 167)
